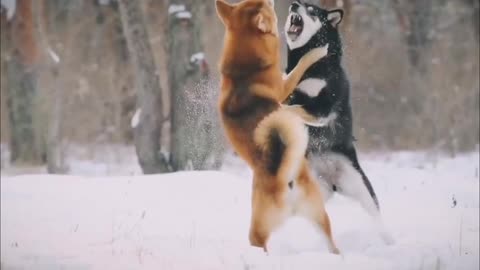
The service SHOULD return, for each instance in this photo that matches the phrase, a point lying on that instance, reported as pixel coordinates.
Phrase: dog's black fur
(337, 137)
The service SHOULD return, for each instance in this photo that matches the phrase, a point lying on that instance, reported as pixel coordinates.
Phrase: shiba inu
(324, 93)
(272, 141)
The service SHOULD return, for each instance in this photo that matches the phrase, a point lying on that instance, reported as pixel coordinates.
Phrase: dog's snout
(294, 6)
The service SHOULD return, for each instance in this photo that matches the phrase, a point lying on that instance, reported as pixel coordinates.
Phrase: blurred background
(125, 87)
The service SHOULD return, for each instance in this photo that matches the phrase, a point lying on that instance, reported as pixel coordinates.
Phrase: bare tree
(475, 9)
(54, 154)
(194, 135)
(25, 145)
(417, 19)
(149, 99)
(52, 98)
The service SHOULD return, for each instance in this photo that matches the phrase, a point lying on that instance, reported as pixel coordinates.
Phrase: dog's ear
(224, 10)
(262, 23)
(335, 17)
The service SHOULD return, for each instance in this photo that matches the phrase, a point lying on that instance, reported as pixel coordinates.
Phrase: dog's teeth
(296, 18)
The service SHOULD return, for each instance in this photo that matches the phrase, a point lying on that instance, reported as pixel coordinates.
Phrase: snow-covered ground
(199, 220)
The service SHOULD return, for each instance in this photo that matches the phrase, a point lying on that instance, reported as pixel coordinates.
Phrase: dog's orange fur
(252, 89)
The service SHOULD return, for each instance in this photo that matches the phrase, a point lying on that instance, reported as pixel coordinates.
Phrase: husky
(324, 92)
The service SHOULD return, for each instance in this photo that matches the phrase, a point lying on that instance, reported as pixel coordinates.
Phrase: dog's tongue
(294, 29)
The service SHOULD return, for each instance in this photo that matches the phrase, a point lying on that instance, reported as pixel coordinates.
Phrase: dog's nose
(294, 6)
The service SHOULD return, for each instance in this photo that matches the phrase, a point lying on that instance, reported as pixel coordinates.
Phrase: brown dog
(270, 139)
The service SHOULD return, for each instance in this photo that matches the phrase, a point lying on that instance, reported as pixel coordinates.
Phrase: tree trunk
(55, 148)
(195, 140)
(475, 9)
(149, 100)
(416, 19)
(22, 87)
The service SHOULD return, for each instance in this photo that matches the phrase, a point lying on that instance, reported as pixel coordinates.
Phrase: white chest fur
(312, 87)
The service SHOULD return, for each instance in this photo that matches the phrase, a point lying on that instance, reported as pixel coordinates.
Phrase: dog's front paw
(316, 54)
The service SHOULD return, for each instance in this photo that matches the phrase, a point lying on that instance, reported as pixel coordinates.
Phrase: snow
(175, 8)
(197, 57)
(136, 118)
(179, 11)
(53, 55)
(200, 220)
(183, 15)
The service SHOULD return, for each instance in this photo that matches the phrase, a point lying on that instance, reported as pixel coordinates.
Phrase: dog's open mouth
(296, 26)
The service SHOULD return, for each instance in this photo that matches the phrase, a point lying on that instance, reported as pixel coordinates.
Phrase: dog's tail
(283, 139)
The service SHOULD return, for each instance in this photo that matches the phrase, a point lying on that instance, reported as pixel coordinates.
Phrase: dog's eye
(311, 11)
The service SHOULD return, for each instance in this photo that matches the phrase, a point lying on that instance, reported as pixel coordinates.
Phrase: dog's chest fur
(312, 86)
(324, 92)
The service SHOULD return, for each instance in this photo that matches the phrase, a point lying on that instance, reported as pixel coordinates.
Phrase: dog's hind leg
(268, 212)
(352, 182)
(325, 174)
(312, 207)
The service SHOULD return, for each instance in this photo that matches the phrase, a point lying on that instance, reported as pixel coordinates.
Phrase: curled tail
(283, 138)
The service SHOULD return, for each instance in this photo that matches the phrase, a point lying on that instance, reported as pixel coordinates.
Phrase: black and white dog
(324, 92)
